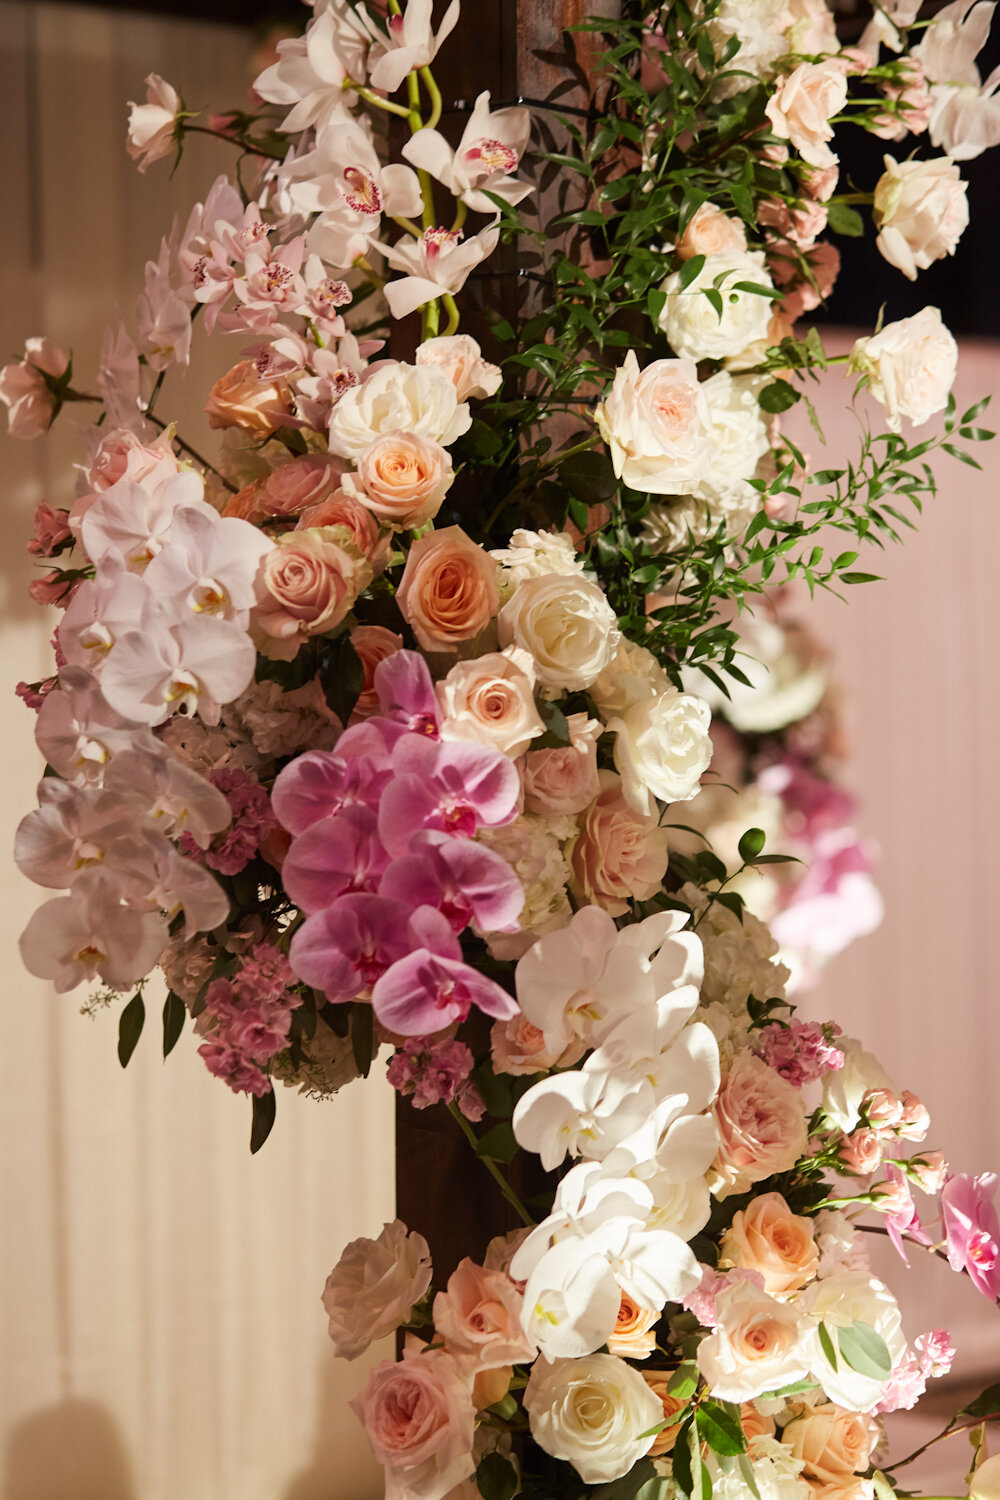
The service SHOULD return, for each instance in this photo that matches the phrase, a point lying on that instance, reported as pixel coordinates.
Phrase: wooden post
(516, 49)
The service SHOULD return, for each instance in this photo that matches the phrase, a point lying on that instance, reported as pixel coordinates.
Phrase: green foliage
(865, 1351)
(496, 1478)
(174, 1015)
(262, 1119)
(130, 1026)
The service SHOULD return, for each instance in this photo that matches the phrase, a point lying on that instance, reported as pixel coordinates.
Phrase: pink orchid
(101, 610)
(272, 288)
(432, 987)
(972, 1230)
(321, 783)
(344, 182)
(73, 830)
(154, 877)
(89, 935)
(449, 788)
(410, 43)
(436, 265)
(902, 1218)
(335, 371)
(346, 949)
(461, 879)
(335, 857)
(492, 144)
(163, 318)
(134, 521)
(192, 667)
(406, 693)
(181, 801)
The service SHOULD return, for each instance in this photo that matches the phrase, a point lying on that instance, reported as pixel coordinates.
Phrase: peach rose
(618, 855)
(489, 1387)
(420, 1421)
(758, 1344)
(402, 479)
(633, 1337)
(345, 510)
(754, 1422)
(288, 490)
(373, 643)
(491, 702)
(802, 107)
(448, 592)
(311, 579)
(518, 1047)
(461, 359)
(831, 1442)
(767, 1237)
(241, 399)
(849, 1487)
(861, 1152)
(563, 780)
(658, 1380)
(478, 1316)
(710, 232)
(761, 1123)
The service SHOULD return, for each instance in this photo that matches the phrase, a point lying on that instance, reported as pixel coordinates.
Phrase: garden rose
(373, 643)
(768, 1238)
(658, 1380)
(343, 510)
(696, 330)
(448, 592)
(479, 1318)
(461, 359)
(618, 855)
(921, 210)
(566, 624)
(633, 1336)
(240, 398)
(563, 780)
(802, 107)
(490, 701)
(656, 424)
(831, 1442)
(29, 402)
(711, 232)
(288, 490)
(518, 1047)
(311, 579)
(122, 455)
(762, 1125)
(420, 1421)
(592, 1413)
(152, 126)
(418, 399)
(663, 748)
(374, 1287)
(910, 367)
(402, 479)
(759, 1344)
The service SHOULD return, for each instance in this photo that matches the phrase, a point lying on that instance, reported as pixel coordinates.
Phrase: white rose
(910, 367)
(374, 1287)
(756, 27)
(921, 209)
(531, 554)
(461, 359)
(566, 624)
(759, 1344)
(490, 701)
(592, 1412)
(417, 399)
(632, 674)
(739, 437)
(656, 424)
(696, 330)
(801, 109)
(985, 1482)
(663, 748)
(838, 1301)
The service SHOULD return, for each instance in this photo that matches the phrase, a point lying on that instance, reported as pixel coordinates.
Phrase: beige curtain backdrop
(160, 1326)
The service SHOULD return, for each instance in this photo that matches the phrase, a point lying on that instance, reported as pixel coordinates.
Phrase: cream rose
(491, 701)
(768, 1238)
(567, 626)
(910, 367)
(985, 1481)
(591, 1412)
(656, 425)
(448, 592)
(632, 675)
(420, 1421)
(762, 1125)
(617, 856)
(461, 359)
(417, 399)
(479, 1318)
(711, 232)
(152, 127)
(310, 580)
(696, 330)
(662, 748)
(240, 398)
(801, 108)
(759, 1344)
(831, 1442)
(921, 210)
(563, 780)
(402, 479)
(374, 1287)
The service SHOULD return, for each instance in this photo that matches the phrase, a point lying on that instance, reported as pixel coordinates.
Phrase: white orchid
(965, 111)
(436, 265)
(312, 71)
(409, 44)
(486, 157)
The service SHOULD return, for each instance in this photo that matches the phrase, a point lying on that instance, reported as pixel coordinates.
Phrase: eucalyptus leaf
(865, 1351)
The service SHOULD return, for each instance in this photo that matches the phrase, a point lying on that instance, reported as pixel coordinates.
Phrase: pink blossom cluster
(250, 1017)
(931, 1357)
(383, 859)
(801, 1051)
(252, 820)
(428, 1071)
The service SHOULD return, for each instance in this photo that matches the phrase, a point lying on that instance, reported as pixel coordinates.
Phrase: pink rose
(345, 510)
(563, 780)
(762, 1124)
(619, 856)
(121, 455)
(883, 1108)
(861, 1152)
(711, 232)
(50, 530)
(240, 398)
(461, 359)
(448, 592)
(929, 1171)
(23, 390)
(916, 1119)
(288, 490)
(802, 107)
(490, 701)
(373, 643)
(479, 1318)
(311, 579)
(518, 1047)
(403, 479)
(420, 1421)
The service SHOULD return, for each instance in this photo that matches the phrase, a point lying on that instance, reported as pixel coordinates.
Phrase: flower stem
(492, 1168)
(376, 100)
(245, 141)
(451, 308)
(434, 95)
(192, 452)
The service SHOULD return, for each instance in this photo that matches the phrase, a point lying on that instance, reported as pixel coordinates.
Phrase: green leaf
(710, 866)
(174, 1014)
(859, 578)
(751, 844)
(496, 1477)
(341, 676)
(987, 1404)
(589, 477)
(683, 1382)
(640, 1483)
(556, 735)
(826, 1343)
(499, 1143)
(843, 219)
(795, 1389)
(363, 1038)
(865, 1351)
(130, 1027)
(719, 1424)
(960, 453)
(778, 397)
(689, 270)
(264, 1107)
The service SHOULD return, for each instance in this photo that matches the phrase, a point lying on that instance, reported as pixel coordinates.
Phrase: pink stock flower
(34, 694)
(936, 1352)
(25, 391)
(972, 1230)
(232, 1067)
(801, 1051)
(702, 1300)
(431, 988)
(252, 820)
(905, 1386)
(428, 1071)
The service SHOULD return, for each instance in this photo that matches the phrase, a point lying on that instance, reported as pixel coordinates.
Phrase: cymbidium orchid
(314, 72)
(484, 160)
(408, 43)
(436, 265)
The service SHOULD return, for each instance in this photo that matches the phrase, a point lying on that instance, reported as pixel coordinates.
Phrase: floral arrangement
(398, 711)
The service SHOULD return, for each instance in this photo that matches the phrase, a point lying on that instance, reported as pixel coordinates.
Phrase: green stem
(948, 1432)
(852, 198)
(245, 141)
(553, 463)
(434, 95)
(375, 100)
(431, 315)
(451, 308)
(417, 123)
(408, 225)
(461, 213)
(492, 1168)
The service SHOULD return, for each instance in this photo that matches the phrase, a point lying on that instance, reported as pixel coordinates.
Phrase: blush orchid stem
(492, 1168)
(949, 1431)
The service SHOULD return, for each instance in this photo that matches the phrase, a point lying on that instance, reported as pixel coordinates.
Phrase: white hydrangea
(777, 1474)
(738, 956)
(534, 553)
(533, 846)
(756, 25)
